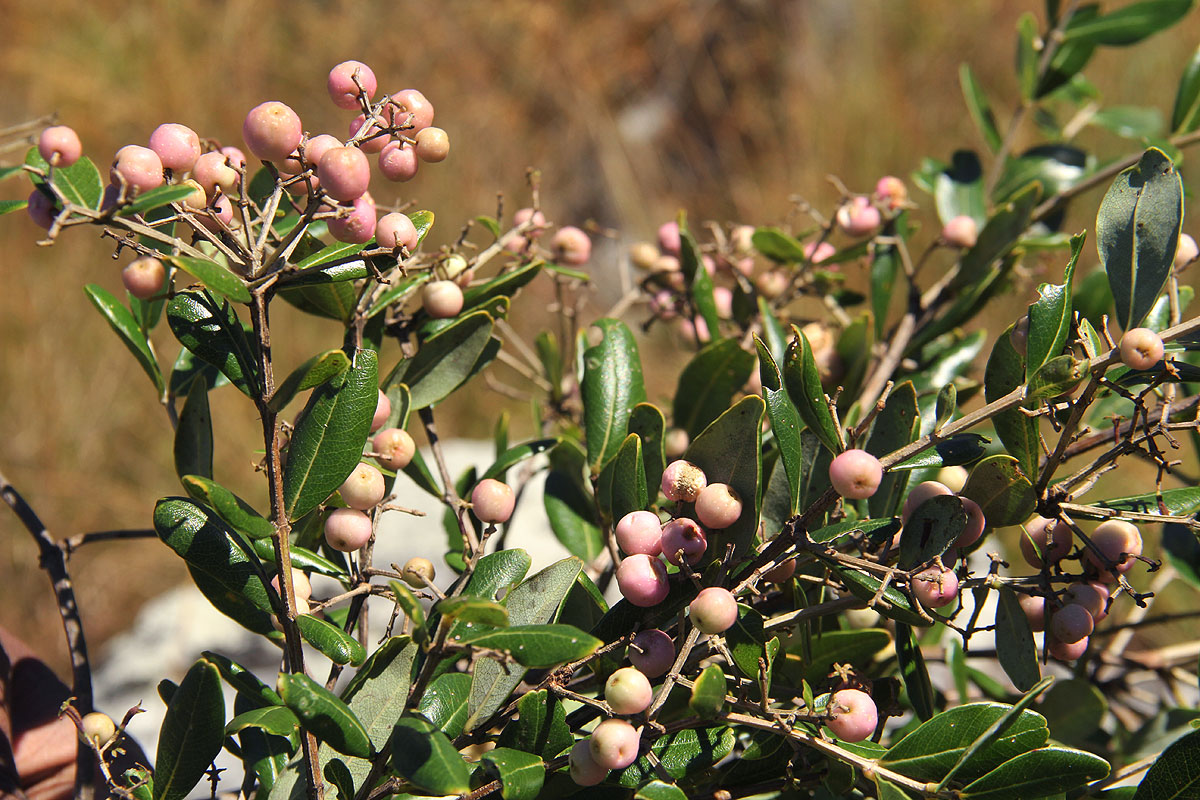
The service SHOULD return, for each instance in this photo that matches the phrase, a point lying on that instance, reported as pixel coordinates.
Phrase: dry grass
(630, 108)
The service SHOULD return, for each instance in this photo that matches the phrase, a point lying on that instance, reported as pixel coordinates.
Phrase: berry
(741, 239)
(433, 145)
(374, 140)
(669, 238)
(177, 146)
(237, 159)
(1067, 652)
(817, 253)
(138, 168)
(272, 131)
(144, 277)
(935, 588)
(584, 769)
(854, 715)
(492, 501)
(642, 580)
(1045, 541)
(682, 481)
(614, 744)
(302, 608)
(395, 448)
(683, 536)
(383, 410)
(718, 506)
(781, 573)
(300, 584)
(195, 201)
(220, 209)
(1141, 348)
(42, 209)
(314, 150)
(342, 89)
(919, 494)
(412, 109)
(97, 727)
(60, 146)
(1185, 253)
(628, 691)
(976, 522)
(364, 488)
(652, 652)
(858, 217)
(1119, 541)
(954, 478)
(571, 245)
(1092, 596)
(643, 255)
(772, 284)
(891, 192)
(396, 230)
(723, 300)
(398, 161)
(961, 231)
(639, 532)
(1071, 623)
(675, 443)
(358, 226)
(855, 474)
(1034, 606)
(347, 529)
(344, 173)
(714, 610)
(442, 299)
(212, 170)
(418, 572)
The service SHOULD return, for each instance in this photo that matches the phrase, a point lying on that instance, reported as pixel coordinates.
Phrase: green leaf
(1027, 54)
(1182, 551)
(649, 424)
(1005, 371)
(9, 206)
(893, 603)
(215, 335)
(785, 422)
(8, 172)
(473, 610)
(536, 646)
(540, 726)
(235, 511)
(194, 434)
(319, 369)
(657, 790)
(323, 715)
(729, 451)
(1129, 24)
(444, 702)
(243, 680)
(880, 529)
(336, 252)
(1038, 773)
(505, 285)
(748, 642)
(1050, 316)
(1185, 116)
(979, 106)
(998, 236)
(330, 640)
(611, 386)
(1015, 648)
(1177, 502)
(412, 608)
(1131, 122)
(521, 775)
(79, 183)
(885, 266)
(1074, 710)
(696, 277)
(1137, 232)
(336, 273)
(803, 382)
(1175, 775)
(953, 451)
(191, 733)
(157, 198)
(122, 322)
(216, 277)
(896, 426)
(686, 752)
(332, 299)
(778, 246)
(708, 692)
(1003, 493)
(709, 383)
(572, 516)
(1056, 377)
(856, 648)
(277, 720)
(379, 690)
(515, 455)
(913, 671)
(424, 757)
(400, 290)
(330, 433)
(446, 359)
(931, 528)
(958, 188)
(629, 479)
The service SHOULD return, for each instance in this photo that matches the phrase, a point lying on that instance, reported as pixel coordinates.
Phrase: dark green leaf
(1057, 377)
(79, 183)
(785, 423)
(157, 198)
(629, 479)
(657, 790)
(1185, 117)
(400, 290)
(893, 603)
(885, 266)
(895, 426)
(699, 284)
(1182, 550)
(194, 434)
(332, 299)
(339, 272)
(446, 359)
(473, 610)
(979, 106)
(709, 383)
(9, 206)
(214, 333)
(191, 733)
(1050, 316)
(649, 424)
(444, 702)
(338, 251)
(931, 528)
(1003, 493)
(1015, 648)
(778, 246)
(505, 285)
(425, 758)
(521, 775)
(330, 640)
(1129, 24)
(708, 693)
(1005, 371)
(747, 642)
(998, 236)
(1177, 502)
(954, 451)
(856, 648)
(317, 370)
(1038, 773)
(803, 382)
(1071, 56)
(1176, 773)
(913, 671)
(122, 322)
(272, 719)
(216, 277)
(572, 516)
(187, 368)
(1074, 710)
(680, 754)
(322, 714)
(243, 680)
(534, 645)
(236, 512)
(611, 387)
(880, 529)
(540, 726)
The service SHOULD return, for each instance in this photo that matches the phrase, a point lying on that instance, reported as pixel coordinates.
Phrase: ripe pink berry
(383, 410)
(858, 217)
(855, 474)
(342, 89)
(42, 208)
(1071, 623)
(695, 329)
(1141, 348)
(675, 443)
(627, 691)
(433, 145)
(1119, 541)
(669, 238)
(1034, 607)
(976, 522)
(219, 209)
(412, 108)
(374, 139)
(300, 584)
(395, 448)
(347, 529)
(139, 168)
(492, 501)
(571, 246)
(177, 146)
(144, 277)
(396, 230)
(364, 488)
(642, 580)
(723, 299)
(442, 299)
(614, 744)
(962, 231)
(684, 536)
(359, 225)
(60, 146)
(1092, 596)
(639, 532)
(891, 192)
(272, 131)
(1185, 253)
(398, 161)
(919, 494)
(935, 588)
(741, 239)
(212, 170)
(1064, 651)
(714, 610)
(344, 173)
(854, 715)
(237, 159)
(772, 284)
(817, 253)
(584, 769)
(1045, 541)
(718, 506)
(314, 150)
(781, 573)
(652, 652)
(682, 481)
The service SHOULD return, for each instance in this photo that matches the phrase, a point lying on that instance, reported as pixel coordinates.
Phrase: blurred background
(630, 109)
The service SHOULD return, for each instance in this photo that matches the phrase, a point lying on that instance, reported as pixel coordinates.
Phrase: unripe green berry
(714, 610)
(418, 572)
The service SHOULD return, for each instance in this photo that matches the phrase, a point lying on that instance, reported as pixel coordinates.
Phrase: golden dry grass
(631, 109)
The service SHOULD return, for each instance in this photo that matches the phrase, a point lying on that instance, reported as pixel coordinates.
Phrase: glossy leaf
(785, 423)
(474, 610)
(243, 680)
(1175, 775)
(979, 107)
(191, 733)
(1177, 502)
(931, 528)
(505, 285)
(709, 383)
(657, 790)
(629, 479)
(322, 714)
(317, 370)
(331, 299)
(729, 451)
(1070, 57)
(425, 758)
(277, 720)
(1056, 377)
(1005, 371)
(892, 604)
(1015, 648)
(126, 327)
(953, 451)
(214, 333)
(895, 426)
(194, 435)
(913, 672)
(79, 183)
(216, 277)
(1003, 493)
(879, 529)
(611, 386)
(235, 511)
(330, 433)
(444, 702)
(1051, 315)
(521, 774)
(649, 424)
(1185, 116)
(572, 516)
(338, 272)
(330, 640)
(540, 726)
(708, 693)
(696, 277)
(1038, 773)
(748, 642)
(1129, 24)
(537, 646)
(999, 235)
(446, 359)
(1137, 232)
(515, 455)
(803, 382)
(958, 188)
(156, 198)
(679, 754)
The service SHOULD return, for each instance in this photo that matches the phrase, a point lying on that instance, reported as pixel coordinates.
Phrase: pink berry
(975, 524)
(695, 329)
(300, 584)
(1092, 596)
(42, 209)
(212, 170)
(396, 230)
(935, 588)
(614, 744)
(583, 768)
(926, 490)
(855, 474)
(571, 246)
(962, 231)
(682, 481)
(675, 443)
(395, 448)
(741, 239)
(718, 506)
(314, 150)
(858, 217)
(433, 145)
(669, 238)
(723, 299)
(412, 108)
(683, 536)
(138, 168)
(781, 573)
(627, 691)
(344, 173)
(1185, 253)
(817, 253)
(383, 410)
(342, 89)
(219, 209)
(1034, 606)
(358, 226)
(652, 652)
(1119, 541)
(1071, 623)
(144, 277)
(492, 501)
(398, 161)
(442, 299)
(1141, 348)
(855, 715)
(364, 488)
(772, 284)
(639, 532)
(60, 146)
(891, 192)
(347, 529)
(272, 131)
(642, 580)
(177, 146)
(237, 159)
(1064, 651)
(374, 139)
(1045, 541)
(714, 610)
